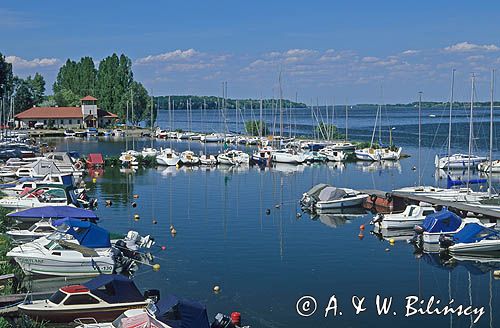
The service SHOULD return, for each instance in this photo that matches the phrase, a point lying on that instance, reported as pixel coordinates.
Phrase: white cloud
(410, 52)
(466, 46)
(19, 62)
(168, 56)
(370, 59)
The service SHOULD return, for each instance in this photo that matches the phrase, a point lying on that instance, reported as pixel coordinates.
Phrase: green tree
(23, 94)
(254, 128)
(142, 104)
(75, 79)
(66, 97)
(37, 88)
(6, 77)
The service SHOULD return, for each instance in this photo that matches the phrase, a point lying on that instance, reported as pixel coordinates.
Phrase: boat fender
(78, 165)
(418, 229)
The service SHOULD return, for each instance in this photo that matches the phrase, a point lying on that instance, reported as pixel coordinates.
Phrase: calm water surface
(265, 263)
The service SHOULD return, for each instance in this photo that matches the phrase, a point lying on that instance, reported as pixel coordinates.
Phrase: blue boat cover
(114, 288)
(179, 313)
(473, 232)
(54, 212)
(442, 221)
(88, 234)
(450, 182)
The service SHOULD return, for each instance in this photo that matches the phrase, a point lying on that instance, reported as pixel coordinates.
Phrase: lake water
(265, 263)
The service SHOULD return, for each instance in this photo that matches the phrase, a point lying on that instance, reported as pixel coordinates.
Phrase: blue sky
(327, 50)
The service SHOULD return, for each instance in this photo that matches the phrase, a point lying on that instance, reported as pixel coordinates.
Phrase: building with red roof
(85, 116)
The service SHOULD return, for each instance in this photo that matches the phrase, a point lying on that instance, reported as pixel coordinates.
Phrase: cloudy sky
(327, 51)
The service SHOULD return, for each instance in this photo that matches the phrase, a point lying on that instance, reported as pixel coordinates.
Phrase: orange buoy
(362, 227)
(136, 196)
(361, 236)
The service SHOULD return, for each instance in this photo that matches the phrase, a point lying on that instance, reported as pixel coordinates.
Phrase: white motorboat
(472, 238)
(367, 154)
(411, 216)
(263, 156)
(69, 133)
(167, 157)
(485, 166)
(140, 317)
(346, 146)
(189, 158)
(149, 152)
(288, 156)
(118, 133)
(388, 154)
(128, 158)
(453, 194)
(233, 157)
(213, 137)
(333, 154)
(332, 197)
(197, 136)
(310, 197)
(206, 159)
(458, 161)
(40, 197)
(40, 229)
(185, 135)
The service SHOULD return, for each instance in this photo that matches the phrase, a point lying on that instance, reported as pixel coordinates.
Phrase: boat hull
(341, 203)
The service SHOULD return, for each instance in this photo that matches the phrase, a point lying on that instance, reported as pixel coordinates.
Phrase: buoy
(163, 248)
(173, 232)
(496, 273)
(136, 217)
(109, 203)
(277, 205)
(136, 196)
(268, 211)
(134, 204)
(391, 241)
(236, 318)
(387, 249)
(362, 227)
(94, 180)
(216, 288)
(414, 168)
(298, 215)
(171, 227)
(154, 221)
(361, 236)
(156, 267)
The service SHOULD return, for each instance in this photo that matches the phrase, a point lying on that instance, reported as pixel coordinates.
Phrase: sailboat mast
(450, 119)
(471, 128)
(260, 122)
(491, 130)
(419, 136)
(281, 108)
(346, 120)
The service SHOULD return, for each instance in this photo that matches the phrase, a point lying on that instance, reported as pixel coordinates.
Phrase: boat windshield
(57, 297)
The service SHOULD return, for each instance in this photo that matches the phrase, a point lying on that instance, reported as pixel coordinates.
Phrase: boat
(93, 132)
(411, 216)
(40, 229)
(168, 312)
(313, 156)
(83, 252)
(473, 238)
(346, 146)
(310, 197)
(458, 161)
(441, 223)
(118, 133)
(149, 152)
(233, 157)
(189, 158)
(333, 197)
(213, 137)
(36, 214)
(485, 166)
(367, 154)
(41, 196)
(206, 159)
(197, 136)
(333, 154)
(104, 298)
(128, 159)
(69, 133)
(263, 156)
(167, 157)
(288, 156)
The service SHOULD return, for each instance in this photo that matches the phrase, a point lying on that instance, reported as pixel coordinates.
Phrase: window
(44, 122)
(77, 121)
(70, 121)
(44, 229)
(57, 297)
(62, 121)
(425, 213)
(80, 299)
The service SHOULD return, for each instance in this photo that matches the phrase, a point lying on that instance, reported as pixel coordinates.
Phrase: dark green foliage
(6, 77)
(211, 102)
(254, 128)
(141, 102)
(28, 92)
(78, 78)
(37, 87)
(328, 132)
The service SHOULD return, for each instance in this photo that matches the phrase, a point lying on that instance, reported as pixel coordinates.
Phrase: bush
(254, 127)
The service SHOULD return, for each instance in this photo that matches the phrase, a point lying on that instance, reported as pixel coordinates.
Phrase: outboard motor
(378, 219)
(445, 241)
(222, 321)
(153, 294)
(418, 229)
(134, 241)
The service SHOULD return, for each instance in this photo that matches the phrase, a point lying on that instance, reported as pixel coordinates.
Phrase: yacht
(458, 161)
(41, 196)
(332, 197)
(189, 158)
(167, 157)
(289, 156)
(233, 157)
(333, 154)
(411, 216)
(149, 152)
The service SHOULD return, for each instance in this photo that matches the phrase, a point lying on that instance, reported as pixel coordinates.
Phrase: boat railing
(88, 322)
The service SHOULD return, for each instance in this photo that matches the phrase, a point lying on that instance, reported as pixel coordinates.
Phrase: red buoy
(236, 318)
(362, 227)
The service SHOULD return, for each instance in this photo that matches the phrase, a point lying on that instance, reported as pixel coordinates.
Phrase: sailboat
(491, 166)
(205, 158)
(188, 157)
(150, 151)
(379, 154)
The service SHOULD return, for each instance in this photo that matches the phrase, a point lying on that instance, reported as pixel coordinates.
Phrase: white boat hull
(483, 246)
(341, 203)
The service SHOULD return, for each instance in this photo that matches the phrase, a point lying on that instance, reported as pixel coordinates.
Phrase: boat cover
(88, 234)
(96, 159)
(331, 193)
(54, 212)
(183, 313)
(114, 288)
(473, 232)
(442, 221)
(316, 189)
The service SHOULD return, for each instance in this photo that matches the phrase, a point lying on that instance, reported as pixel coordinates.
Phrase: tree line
(212, 102)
